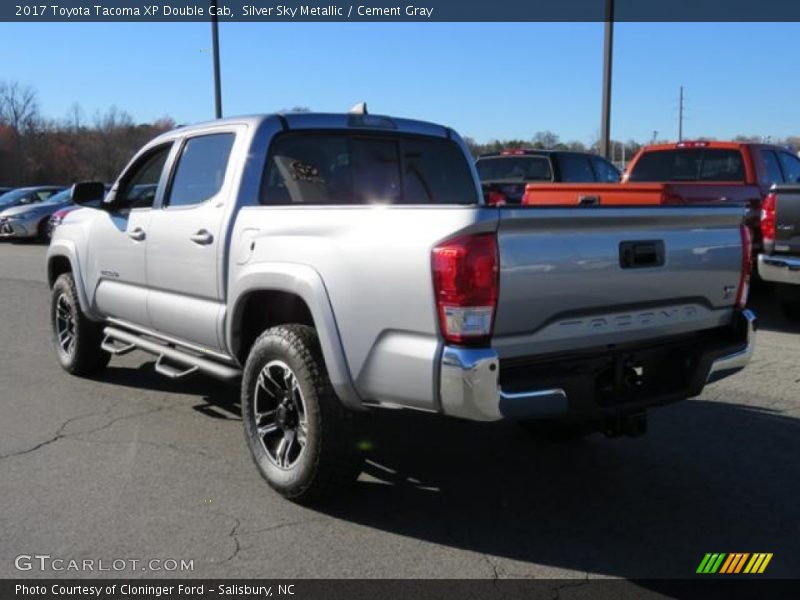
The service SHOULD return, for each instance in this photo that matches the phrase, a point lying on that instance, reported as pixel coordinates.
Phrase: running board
(129, 341)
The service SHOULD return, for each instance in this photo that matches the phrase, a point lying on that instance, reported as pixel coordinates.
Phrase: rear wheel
(301, 437)
(41, 231)
(77, 339)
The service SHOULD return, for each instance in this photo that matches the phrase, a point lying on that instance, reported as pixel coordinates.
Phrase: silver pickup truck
(338, 263)
(779, 263)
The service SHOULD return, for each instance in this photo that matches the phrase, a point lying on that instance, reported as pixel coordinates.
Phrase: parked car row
(33, 212)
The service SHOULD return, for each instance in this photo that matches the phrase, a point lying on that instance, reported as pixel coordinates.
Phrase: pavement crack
(572, 584)
(60, 432)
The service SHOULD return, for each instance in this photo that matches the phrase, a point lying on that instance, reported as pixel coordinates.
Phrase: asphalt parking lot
(134, 466)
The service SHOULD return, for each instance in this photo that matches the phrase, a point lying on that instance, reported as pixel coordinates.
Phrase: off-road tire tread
(89, 357)
(337, 462)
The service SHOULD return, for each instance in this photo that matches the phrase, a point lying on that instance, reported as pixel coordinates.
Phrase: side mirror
(85, 192)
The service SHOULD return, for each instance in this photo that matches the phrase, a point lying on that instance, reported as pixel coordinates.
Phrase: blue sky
(486, 80)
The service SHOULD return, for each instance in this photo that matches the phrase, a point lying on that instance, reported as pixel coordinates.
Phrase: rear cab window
(514, 168)
(356, 168)
(695, 164)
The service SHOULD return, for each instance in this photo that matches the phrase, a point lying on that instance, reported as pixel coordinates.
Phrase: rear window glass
(366, 169)
(689, 165)
(520, 168)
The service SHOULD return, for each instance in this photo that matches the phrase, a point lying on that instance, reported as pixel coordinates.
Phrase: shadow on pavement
(710, 477)
(220, 400)
(770, 317)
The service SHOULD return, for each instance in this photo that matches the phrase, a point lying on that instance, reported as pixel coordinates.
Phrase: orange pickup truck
(701, 172)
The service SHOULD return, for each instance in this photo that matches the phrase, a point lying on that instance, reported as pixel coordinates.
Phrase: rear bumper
(476, 385)
(779, 269)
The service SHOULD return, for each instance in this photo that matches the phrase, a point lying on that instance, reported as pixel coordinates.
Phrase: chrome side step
(120, 342)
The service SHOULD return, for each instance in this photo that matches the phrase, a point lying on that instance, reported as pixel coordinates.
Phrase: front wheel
(301, 437)
(77, 339)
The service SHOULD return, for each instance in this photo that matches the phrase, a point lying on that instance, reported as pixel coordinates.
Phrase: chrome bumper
(779, 269)
(732, 363)
(470, 390)
(469, 382)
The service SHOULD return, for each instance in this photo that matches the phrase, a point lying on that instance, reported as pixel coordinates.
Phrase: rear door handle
(137, 234)
(202, 237)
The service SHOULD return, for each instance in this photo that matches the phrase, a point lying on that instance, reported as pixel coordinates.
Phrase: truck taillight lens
(768, 218)
(747, 266)
(465, 283)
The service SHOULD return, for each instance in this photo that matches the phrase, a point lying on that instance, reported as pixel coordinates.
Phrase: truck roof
(312, 120)
(528, 152)
(723, 145)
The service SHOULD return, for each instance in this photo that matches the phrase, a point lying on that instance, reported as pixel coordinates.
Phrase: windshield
(689, 165)
(60, 197)
(522, 168)
(13, 196)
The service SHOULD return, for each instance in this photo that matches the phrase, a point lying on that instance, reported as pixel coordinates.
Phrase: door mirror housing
(85, 192)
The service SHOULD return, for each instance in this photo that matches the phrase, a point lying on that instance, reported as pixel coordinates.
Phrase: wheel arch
(266, 295)
(63, 258)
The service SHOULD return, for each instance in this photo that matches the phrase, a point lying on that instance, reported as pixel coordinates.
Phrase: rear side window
(575, 168)
(689, 165)
(606, 172)
(201, 169)
(791, 167)
(365, 169)
(770, 168)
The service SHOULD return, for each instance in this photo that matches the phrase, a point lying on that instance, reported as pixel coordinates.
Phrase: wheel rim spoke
(279, 414)
(65, 325)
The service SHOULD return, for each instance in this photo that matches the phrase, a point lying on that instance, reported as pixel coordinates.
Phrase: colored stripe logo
(735, 562)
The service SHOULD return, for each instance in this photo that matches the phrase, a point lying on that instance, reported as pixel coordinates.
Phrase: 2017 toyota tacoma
(339, 263)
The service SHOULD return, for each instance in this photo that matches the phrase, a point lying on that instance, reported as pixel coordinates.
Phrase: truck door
(116, 278)
(185, 251)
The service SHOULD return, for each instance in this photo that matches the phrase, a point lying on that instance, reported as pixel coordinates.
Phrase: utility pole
(680, 115)
(605, 120)
(215, 50)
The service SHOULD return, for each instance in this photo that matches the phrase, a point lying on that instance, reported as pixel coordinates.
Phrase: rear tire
(301, 437)
(42, 234)
(76, 338)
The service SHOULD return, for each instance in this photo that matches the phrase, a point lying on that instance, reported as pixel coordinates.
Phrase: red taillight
(768, 218)
(495, 198)
(747, 266)
(465, 283)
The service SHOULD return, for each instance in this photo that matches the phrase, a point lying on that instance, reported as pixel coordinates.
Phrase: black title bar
(397, 11)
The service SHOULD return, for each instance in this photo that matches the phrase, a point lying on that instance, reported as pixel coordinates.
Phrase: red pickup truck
(700, 172)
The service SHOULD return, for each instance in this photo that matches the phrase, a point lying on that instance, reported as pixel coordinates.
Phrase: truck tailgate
(581, 278)
(787, 220)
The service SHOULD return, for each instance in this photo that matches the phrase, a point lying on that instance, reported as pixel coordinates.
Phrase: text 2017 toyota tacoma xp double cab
(338, 263)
